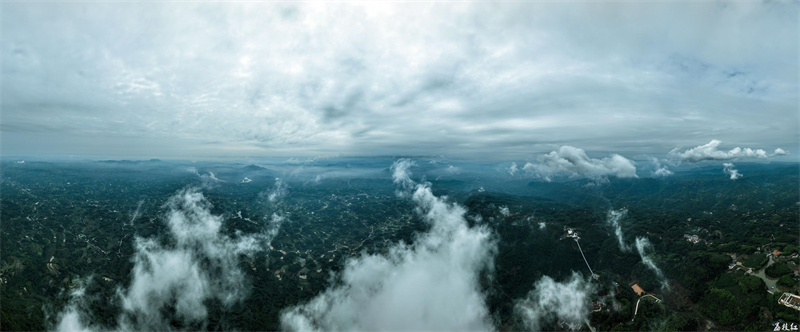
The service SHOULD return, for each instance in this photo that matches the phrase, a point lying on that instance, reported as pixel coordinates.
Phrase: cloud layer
(200, 265)
(571, 161)
(481, 79)
(431, 284)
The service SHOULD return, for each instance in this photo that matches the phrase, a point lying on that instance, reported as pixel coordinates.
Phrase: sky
(480, 80)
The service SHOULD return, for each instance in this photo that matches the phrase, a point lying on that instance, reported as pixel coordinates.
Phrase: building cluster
(691, 238)
(598, 305)
(570, 234)
(790, 300)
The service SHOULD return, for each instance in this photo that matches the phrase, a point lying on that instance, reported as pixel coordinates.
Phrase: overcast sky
(469, 80)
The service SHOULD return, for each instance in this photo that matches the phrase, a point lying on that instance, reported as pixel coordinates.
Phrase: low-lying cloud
(431, 284)
(206, 180)
(660, 171)
(277, 192)
(612, 218)
(513, 169)
(571, 161)
(642, 244)
(568, 301)
(711, 151)
(199, 264)
(728, 168)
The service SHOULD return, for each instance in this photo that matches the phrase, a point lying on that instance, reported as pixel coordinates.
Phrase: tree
(750, 283)
(789, 249)
(721, 305)
(778, 269)
(786, 281)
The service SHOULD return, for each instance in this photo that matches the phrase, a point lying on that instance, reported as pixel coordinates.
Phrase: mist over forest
(391, 244)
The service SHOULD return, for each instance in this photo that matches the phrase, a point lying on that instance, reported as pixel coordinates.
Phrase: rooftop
(638, 290)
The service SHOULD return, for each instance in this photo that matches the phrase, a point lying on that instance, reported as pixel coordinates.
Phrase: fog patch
(277, 192)
(431, 284)
(137, 213)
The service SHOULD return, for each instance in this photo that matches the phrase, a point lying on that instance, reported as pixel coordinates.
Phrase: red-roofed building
(776, 253)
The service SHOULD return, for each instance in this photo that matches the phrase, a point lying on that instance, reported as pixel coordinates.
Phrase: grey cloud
(431, 284)
(711, 151)
(571, 161)
(490, 80)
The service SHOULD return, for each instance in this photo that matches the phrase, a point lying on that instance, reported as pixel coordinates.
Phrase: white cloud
(431, 284)
(642, 244)
(711, 151)
(206, 180)
(74, 317)
(513, 169)
(571, 161)
(505, 211)
(551, 301)
(612, 218)
(200, 265)
(661, 171)
(214, 177)
(401, 174)
(728, 168)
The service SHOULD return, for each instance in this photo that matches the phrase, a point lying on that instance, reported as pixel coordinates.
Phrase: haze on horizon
(472, 80)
